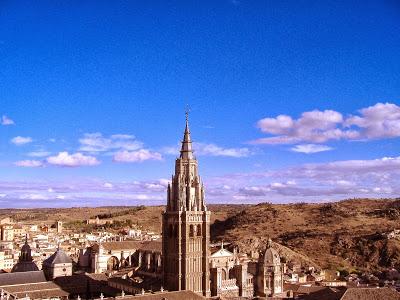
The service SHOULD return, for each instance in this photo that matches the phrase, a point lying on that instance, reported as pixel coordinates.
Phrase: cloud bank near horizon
(376, 178)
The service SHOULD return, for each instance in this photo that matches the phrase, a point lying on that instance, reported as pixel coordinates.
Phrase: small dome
(25, 248)
(271, 257)
(24, 266)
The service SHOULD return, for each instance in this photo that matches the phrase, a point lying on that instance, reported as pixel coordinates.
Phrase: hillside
(345, 234)
(147, 217)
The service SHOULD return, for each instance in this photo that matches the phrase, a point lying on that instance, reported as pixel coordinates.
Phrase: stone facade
(185, 260)
(59, 226)
(269, 273)
(57, 265)
(186, 227)
(142, 256)
(229, 274)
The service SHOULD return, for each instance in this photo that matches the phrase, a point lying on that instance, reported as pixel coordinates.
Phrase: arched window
(199, 230)
(223, 275)
(191, 231)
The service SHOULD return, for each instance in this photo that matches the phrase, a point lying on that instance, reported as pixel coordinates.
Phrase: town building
(25, 262)
(58, 264)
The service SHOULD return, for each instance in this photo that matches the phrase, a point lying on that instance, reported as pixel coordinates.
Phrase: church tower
(186, 226)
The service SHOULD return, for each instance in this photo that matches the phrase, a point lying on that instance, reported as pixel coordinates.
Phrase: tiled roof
(146, 283)
(155, 246)
(327, 293)
(33, 287)
(21, 278)
(24, 266)
(78, 283)
(302, 289)
(370, 294)
(186, 295)
(59, 257)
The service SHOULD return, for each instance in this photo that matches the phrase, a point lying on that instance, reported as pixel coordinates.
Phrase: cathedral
(185, 260)
(189, 263)
(186, 226)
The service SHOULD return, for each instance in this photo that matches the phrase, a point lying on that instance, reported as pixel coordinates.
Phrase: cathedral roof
(25, 248)
(59, 257)
(22, 277)
(270, 255)
(222, 253)
(178, 295)
(24, 266)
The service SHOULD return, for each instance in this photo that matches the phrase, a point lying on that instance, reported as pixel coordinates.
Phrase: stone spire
(186, 226)
(186, 191)
(186, 150)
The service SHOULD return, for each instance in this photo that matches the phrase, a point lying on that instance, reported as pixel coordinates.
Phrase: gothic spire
(186, 150)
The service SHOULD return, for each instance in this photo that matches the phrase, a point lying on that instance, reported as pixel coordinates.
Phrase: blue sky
(290, 100)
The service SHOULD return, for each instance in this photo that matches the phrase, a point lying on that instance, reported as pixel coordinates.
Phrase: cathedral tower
(186, 226)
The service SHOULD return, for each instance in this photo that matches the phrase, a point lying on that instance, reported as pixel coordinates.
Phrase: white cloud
(313, 182)
(379, 121)
(29, 163)
(309, 182)
(310, 148)
(39, 153)
(136, 156)
(65, 159)
(20, 140)
(164, 182)
(214, 150)
(374, 122)
(204, 149)
(108, 185)
(282, 124)
(6, 121)
(33, 197)
(95, 142)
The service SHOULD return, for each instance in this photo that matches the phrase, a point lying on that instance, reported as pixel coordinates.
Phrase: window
(191, 231)
(199, 230)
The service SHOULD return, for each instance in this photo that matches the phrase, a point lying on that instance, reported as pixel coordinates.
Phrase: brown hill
(345, 234)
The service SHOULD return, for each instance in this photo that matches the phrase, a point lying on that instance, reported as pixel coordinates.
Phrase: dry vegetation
(344, 235)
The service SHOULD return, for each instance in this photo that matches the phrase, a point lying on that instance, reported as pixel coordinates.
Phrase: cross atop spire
(187, 111)
(186, 150)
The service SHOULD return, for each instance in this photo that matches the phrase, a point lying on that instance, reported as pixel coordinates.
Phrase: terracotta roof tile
(370, 294)
(186, 295)
(22, 278)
